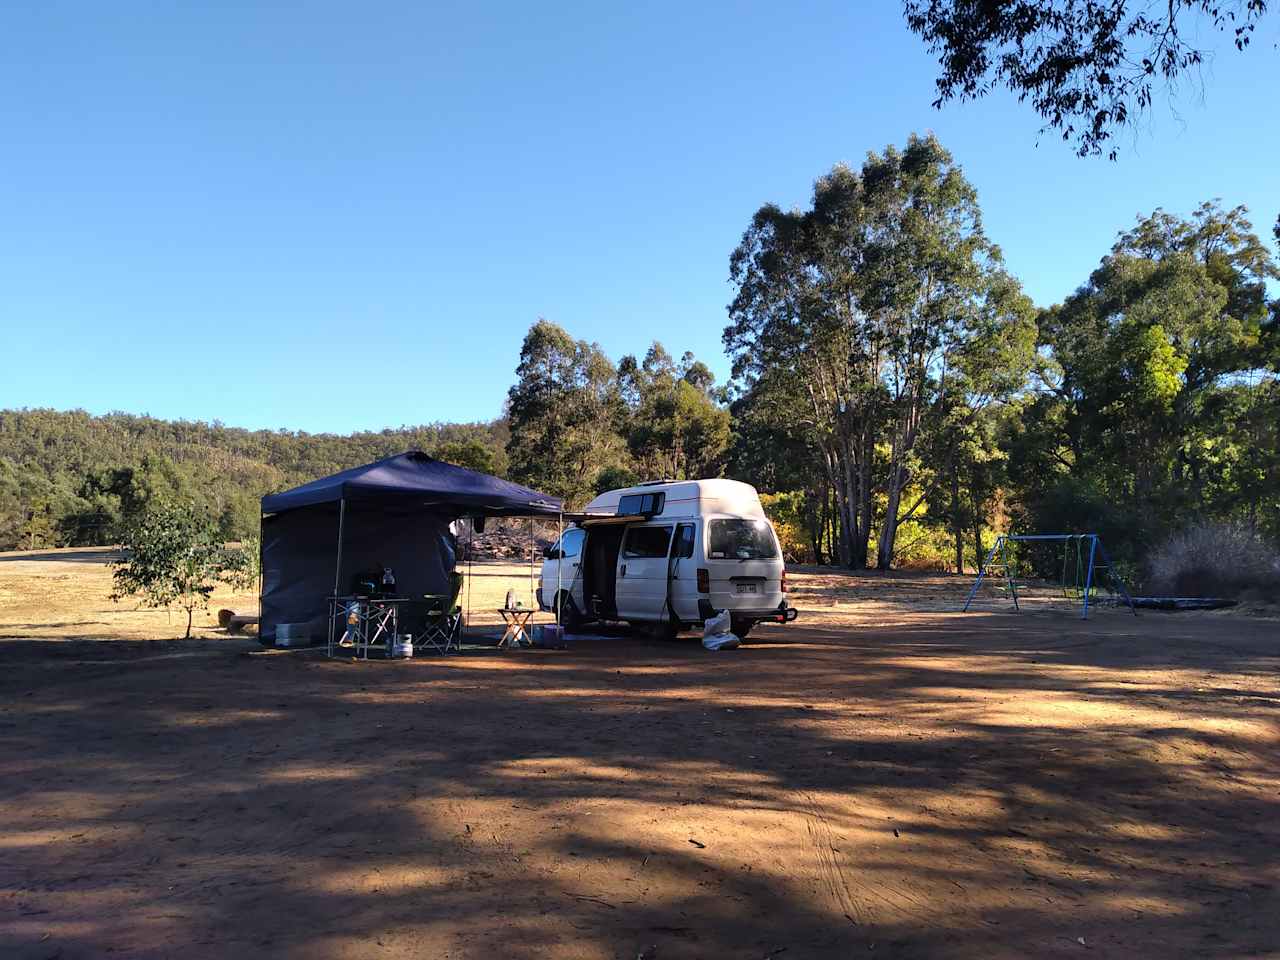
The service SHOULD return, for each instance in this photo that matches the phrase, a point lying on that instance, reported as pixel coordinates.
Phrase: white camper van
(670, 554)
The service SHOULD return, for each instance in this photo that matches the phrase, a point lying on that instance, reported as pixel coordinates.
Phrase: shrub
(173, 557)
(1216, 560)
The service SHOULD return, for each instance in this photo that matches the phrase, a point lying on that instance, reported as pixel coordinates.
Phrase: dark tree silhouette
(1088, 66)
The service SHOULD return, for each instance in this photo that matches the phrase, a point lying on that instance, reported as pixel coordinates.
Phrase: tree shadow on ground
(94, 555)
(984, 786)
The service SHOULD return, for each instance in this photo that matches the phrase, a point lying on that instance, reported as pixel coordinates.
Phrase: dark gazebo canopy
(416, 478)
(394, 513)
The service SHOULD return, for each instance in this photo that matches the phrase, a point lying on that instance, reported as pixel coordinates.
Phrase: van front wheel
(570, 618)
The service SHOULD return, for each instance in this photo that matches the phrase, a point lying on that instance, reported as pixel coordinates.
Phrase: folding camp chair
(443, 627)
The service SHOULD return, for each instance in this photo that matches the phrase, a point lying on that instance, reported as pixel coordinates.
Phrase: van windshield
(741, 540)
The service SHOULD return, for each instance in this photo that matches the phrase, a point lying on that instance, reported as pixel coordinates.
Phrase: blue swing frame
(1097, 552)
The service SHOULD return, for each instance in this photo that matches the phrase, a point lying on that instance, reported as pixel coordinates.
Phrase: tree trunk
(844, 501)
(904, 441)
(817, 523)
(833, 529)
(860, 518)
(889, 526)
(187, 635)
(957, 521)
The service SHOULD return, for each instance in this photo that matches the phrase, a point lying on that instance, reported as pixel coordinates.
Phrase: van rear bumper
(779, 614)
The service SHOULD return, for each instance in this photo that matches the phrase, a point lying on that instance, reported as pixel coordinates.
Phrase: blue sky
(334, 217)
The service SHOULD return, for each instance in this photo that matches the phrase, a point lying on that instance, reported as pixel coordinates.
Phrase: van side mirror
(550, 553)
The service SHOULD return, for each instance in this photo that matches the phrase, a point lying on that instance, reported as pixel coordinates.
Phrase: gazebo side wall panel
(299, 549)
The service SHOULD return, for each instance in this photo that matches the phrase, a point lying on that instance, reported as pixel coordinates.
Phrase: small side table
(516, 619)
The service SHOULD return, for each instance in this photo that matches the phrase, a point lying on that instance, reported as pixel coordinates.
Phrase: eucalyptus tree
(796, 334)
(565, 412)
(769, 452)
(1173, 315)
(1159, 397)
(938, 302)
(675, 427)
(1089, 67)
(859, 308)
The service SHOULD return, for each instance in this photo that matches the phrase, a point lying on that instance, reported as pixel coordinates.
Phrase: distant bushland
(68, 478)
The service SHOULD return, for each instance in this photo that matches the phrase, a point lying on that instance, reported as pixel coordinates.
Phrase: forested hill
(66, 477)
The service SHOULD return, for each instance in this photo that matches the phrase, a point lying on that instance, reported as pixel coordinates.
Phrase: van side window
(684, 541)
(646, 542)
(646, 504)
(571, 543)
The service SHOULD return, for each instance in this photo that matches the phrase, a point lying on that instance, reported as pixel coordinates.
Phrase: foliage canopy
(1088, 66)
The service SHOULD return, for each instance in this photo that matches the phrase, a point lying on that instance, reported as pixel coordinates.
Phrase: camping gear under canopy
(397, 512)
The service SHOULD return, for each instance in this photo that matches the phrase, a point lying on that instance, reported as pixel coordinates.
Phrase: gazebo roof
(414, 476)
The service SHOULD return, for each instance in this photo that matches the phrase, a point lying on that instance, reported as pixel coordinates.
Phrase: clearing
(885, 777)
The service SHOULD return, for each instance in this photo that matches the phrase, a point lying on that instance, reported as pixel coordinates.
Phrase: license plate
(747, 588)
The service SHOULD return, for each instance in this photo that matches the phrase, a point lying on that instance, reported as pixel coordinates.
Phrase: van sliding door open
(642, 572)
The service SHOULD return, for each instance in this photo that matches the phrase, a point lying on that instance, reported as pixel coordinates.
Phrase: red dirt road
(870, 781)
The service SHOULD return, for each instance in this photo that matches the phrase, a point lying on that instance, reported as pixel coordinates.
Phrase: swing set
(1079, 578)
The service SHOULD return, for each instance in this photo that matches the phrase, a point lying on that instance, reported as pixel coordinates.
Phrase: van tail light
(704, 580)
(784, 579)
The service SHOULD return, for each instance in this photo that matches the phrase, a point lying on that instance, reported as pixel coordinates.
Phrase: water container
(402, 647)
(293, 634)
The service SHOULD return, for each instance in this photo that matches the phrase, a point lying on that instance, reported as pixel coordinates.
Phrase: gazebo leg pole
(532, 598)
(337, 572)
(559, 563)
(260, 542)
(337, 567)
(471, 549)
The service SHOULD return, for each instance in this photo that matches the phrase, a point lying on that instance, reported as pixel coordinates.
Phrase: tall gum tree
(796, 335)
(858, 307)
(565, 411)
(934, 289)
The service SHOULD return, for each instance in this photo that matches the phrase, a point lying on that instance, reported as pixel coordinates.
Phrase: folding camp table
(367, 622)
(516, 619)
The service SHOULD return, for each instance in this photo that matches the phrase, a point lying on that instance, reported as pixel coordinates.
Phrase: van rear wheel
(740, 628)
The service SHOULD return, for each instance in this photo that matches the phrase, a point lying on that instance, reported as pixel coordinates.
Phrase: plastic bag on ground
(721, 641)
(716, 634)
(717, 624)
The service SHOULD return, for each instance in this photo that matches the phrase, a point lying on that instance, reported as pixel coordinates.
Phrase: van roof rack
(654, 483)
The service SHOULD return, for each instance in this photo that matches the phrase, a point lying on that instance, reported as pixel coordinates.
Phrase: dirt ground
(886, 777)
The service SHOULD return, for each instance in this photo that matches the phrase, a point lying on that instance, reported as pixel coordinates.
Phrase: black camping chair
(443, 625)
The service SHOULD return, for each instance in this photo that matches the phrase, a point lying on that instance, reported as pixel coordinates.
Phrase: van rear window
(741, 540)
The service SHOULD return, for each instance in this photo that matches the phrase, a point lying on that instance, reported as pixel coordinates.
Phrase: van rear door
(642, 572)
(745, 564)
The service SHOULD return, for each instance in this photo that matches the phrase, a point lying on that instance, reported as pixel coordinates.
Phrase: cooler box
(549, 635)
